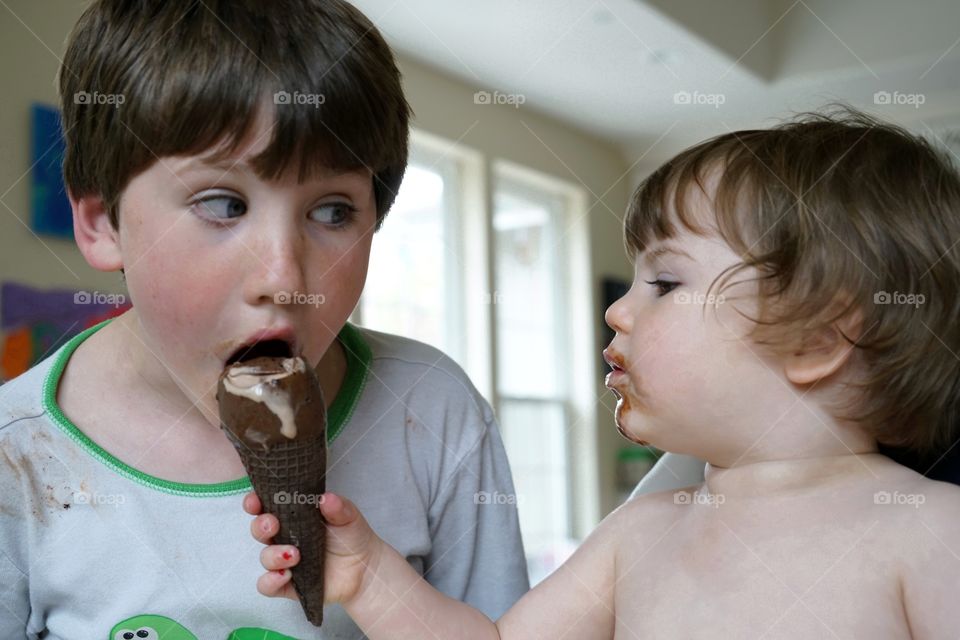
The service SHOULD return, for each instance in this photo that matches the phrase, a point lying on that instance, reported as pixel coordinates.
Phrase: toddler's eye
(334, 214)
(663, 286)
(222, 207)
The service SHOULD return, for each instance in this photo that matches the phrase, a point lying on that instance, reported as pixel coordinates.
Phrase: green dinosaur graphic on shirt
(151, 627)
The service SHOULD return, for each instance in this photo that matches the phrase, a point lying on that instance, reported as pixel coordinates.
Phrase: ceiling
(654, 76)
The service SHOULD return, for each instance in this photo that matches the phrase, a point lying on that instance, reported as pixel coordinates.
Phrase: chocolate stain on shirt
(23, 470)
(414, 425)
(10, 463)
(37, 505)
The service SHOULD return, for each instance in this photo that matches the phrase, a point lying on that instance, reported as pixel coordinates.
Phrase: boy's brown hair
(839, 213)
(144, 79)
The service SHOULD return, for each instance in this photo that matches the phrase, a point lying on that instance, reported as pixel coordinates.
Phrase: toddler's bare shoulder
(918, 520)
(938, 502)
(654, 509)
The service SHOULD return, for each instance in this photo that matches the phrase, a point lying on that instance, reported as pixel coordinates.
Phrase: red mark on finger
(287, 555)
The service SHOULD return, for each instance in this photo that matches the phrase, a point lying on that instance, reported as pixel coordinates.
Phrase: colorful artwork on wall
(36, 322)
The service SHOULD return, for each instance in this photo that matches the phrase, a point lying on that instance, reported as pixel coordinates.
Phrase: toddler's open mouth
(614, 359)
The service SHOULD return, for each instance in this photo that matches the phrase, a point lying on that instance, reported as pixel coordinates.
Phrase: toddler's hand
(353, 550)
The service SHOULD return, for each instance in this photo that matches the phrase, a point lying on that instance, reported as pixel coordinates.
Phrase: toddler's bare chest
(737, 575)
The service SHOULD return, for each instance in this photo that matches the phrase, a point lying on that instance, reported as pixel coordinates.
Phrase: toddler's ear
(98, 241)
(825, 351)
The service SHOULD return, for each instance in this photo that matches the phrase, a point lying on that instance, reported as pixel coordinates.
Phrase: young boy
(119, 493)
(795, 302)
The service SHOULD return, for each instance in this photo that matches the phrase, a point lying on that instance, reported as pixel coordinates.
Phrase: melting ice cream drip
(250, 382)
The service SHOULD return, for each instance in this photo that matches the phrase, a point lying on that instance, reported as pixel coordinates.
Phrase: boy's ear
(825, 351)
(98, 241)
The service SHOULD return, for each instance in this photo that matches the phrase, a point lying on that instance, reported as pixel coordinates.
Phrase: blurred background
(535, 121)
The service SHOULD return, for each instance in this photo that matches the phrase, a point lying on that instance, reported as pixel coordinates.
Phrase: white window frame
(475, 320)
(576, 297)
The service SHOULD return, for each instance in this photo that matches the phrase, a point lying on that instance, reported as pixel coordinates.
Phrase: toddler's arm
(389, 600)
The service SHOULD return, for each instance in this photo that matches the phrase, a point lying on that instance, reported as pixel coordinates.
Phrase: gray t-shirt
(92, 548)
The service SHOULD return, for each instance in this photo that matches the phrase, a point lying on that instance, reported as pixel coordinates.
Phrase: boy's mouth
(272, 348)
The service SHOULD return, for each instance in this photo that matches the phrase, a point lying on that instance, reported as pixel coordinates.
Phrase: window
(414, 284)
(534, 355)
(490, 277)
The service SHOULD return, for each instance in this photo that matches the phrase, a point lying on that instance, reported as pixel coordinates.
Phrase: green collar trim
(358, 355)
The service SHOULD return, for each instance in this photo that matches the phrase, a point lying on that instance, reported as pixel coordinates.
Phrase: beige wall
(444, 106)
(30, 53)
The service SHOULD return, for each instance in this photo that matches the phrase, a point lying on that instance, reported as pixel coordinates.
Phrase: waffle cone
(289, 480)
(273, 412)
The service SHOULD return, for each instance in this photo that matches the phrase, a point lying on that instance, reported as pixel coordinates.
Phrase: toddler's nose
(618, 317)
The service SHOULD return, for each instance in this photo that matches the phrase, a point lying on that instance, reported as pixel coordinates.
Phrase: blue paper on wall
(50, 208)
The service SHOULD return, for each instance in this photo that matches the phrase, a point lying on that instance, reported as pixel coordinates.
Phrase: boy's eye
(663, 286)
(333, 213)
(223, 207)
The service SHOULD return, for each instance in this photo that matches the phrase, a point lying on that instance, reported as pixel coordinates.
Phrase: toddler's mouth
(614, 359)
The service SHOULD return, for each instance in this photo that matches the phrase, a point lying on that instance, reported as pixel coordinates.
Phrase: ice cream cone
(273, 412)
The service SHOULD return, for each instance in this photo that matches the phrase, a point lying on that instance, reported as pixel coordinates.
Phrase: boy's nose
(278, 270)
(617, 316)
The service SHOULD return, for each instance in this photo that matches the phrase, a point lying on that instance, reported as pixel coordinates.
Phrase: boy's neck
(781, 477)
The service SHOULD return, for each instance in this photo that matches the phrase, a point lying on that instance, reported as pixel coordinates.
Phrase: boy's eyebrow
(228, 165)
(650, 256)
(225, 165)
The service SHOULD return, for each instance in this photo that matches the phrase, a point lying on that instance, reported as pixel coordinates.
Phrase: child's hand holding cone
(352, 551)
